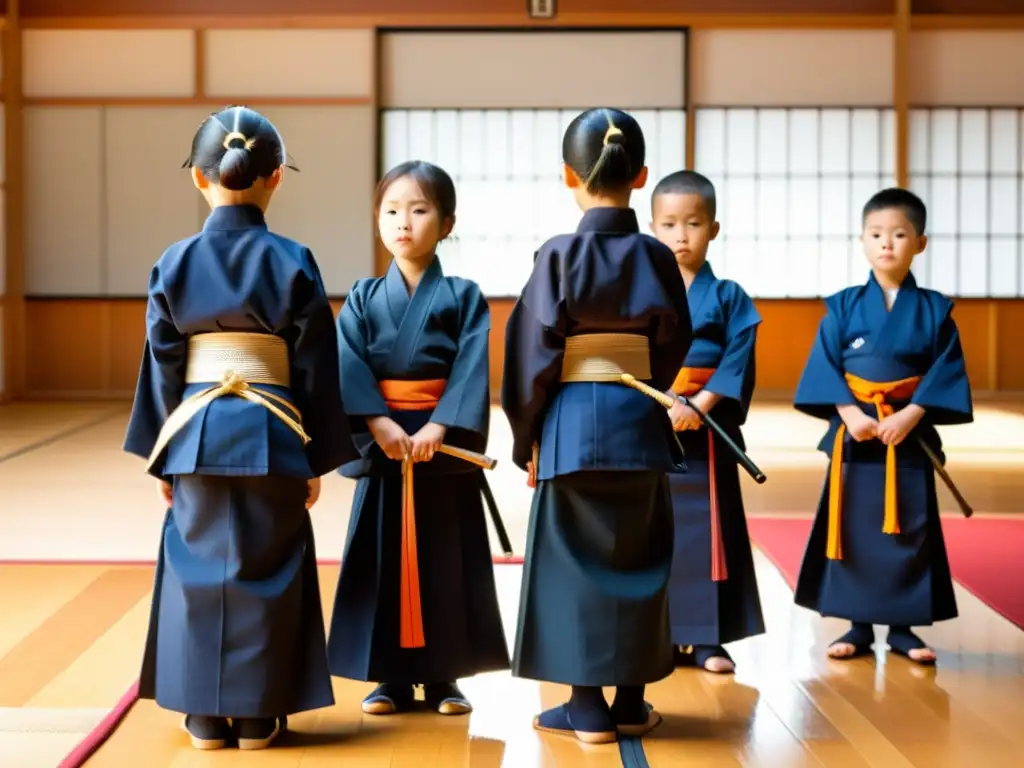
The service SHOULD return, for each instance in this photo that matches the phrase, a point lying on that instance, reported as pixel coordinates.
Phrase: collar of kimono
(878, 394)
(235, 217)
(908, 283)
(613, 220)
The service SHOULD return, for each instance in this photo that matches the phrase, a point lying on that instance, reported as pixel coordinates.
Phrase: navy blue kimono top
(607, 277)
(236, 275)
(860, 336)
(441, 331)
(725, 323)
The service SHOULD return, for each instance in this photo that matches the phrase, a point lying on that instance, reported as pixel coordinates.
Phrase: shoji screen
(109, 120)
(792, 184)
(967, 160)
(491, 108)
(794, 151)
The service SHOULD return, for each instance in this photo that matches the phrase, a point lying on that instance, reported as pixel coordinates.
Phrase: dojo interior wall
(108, 107)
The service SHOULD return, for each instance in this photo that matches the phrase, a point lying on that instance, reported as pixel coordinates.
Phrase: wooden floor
(71, 634)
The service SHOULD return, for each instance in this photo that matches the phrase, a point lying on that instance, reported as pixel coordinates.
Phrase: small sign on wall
(542, 9)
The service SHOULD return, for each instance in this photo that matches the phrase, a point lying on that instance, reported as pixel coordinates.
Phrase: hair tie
(612, 131)
(246, 143)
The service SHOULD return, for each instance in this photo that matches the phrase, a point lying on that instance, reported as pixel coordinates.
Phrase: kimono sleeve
(534, 350)
(360, 391)
(945, 391)
(161, 381)
(466, 401)
(823, 385)
(315, 376)
(674, 335)
(735, 374)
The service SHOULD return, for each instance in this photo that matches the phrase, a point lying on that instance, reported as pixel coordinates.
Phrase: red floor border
(96, 738)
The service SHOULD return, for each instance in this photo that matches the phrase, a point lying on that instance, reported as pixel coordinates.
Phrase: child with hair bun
(238, 413)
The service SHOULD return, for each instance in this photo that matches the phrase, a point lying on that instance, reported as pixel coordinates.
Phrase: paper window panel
(972, 261)
(64, 237)
(1004, 267)
(789, 178)
(140, 227)
(328, 205)
(968, 170)
(507, 168)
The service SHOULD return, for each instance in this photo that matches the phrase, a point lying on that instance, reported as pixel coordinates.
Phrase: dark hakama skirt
(706, 612)
(237, 627)
(594, 601)
(890, 579)
(462, 623)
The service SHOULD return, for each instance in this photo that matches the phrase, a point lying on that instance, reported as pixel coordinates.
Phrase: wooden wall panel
(758, 67)
(127, 323)
(3, 159)
(142, 8)
(969, 7)
(119, 63)
(300, 62)
(726, 6)
(966, 68)
(3, 381)
(97, 8)
(509, 70)
(100, 358)
(68, 347)
(3, 247)
(1007, 346)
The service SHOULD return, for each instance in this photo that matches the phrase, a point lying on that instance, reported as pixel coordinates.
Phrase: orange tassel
(411, 628)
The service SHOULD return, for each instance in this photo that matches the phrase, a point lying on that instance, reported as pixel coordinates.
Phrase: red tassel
(719, 572)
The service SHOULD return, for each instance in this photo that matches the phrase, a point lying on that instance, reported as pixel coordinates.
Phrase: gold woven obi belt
(605, 357)
(238, 361)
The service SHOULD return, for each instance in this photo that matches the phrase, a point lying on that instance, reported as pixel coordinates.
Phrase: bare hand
(683, 417)
(389, 436)
(166, 491)
(860, 426)
(426, 442)
(531, 467)
(894, 429)
(312, 492)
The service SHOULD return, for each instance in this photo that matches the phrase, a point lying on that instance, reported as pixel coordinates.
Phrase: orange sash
(689, 382)
(877, 393)
(410, 396)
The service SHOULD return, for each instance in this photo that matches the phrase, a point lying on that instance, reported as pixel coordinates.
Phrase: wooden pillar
(13, 384)
(381, 257)
(691, 107)
(901, 91)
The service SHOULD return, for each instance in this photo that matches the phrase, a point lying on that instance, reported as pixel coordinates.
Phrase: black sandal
(861, 637)
(388, 699)
(902, 641)
(699, 655)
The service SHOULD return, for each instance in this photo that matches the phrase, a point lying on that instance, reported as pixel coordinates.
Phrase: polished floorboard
(72, 632)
